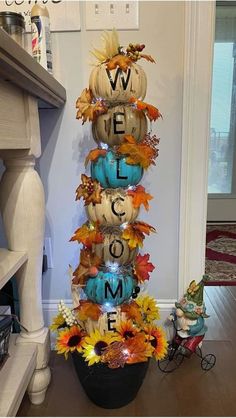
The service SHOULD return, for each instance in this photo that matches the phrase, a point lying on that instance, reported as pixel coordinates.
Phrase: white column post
(199, 42)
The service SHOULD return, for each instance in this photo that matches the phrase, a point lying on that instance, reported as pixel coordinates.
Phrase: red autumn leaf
(140, 197)
(142, 267)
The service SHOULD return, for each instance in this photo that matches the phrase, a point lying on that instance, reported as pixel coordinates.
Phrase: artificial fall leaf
(121, 61)
(152, 112)
(138, 348)
(114, 355)
(140, 197)
(88, 259)
(88, 309)
(132, 311)
(136, 153)
(89, 189)
(134, 233)
(94, 154)
(147, 58)
(88, 107)
(88, 234)
(142, 267)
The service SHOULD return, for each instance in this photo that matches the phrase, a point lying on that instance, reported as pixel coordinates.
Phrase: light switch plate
(102, 15)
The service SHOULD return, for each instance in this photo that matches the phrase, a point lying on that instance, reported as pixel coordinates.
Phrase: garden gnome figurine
(190, 314)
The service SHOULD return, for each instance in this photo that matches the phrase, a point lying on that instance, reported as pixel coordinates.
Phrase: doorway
(220, 267)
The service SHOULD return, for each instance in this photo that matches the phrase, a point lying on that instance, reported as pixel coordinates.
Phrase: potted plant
(111, 330)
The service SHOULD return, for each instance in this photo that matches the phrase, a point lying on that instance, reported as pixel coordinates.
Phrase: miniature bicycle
(176, 354)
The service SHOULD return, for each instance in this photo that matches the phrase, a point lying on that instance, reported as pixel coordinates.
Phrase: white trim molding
(198, 57)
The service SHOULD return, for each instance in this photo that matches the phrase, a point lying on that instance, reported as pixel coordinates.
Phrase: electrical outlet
(47, 250)
(101, 15)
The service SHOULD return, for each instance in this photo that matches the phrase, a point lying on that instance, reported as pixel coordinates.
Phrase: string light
(112, 267)
(124, 225)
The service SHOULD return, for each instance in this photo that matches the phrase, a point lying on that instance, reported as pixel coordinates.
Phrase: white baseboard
(50, 309)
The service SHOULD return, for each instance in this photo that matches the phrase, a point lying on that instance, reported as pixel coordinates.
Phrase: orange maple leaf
(88, 107)
(140, 197)
(88, 309)
(136, 153)
(89, 189)
(88, 259)
(121, 61)
(88, 234)
(152, 112)
(94, 154)
(138, 348)
(134, 233)
(132, 311)
(142, 267)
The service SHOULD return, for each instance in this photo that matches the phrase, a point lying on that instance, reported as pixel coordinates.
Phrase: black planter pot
(110, 388)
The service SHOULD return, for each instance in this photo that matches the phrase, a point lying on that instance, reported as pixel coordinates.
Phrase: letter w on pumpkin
(119, 74)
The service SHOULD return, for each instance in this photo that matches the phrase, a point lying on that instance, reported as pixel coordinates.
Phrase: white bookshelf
(10, 262)
(15, 375)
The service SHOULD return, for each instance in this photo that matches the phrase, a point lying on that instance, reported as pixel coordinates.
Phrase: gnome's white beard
(182, 322)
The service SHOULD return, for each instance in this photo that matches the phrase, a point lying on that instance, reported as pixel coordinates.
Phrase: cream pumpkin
(115, 208)
(117, 85)
(114, 248)
(111, 127)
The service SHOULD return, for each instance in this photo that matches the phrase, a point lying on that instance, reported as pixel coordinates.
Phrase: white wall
(66, 142)
(221, 209)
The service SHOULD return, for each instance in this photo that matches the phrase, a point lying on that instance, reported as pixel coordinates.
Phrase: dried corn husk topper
(112, 321)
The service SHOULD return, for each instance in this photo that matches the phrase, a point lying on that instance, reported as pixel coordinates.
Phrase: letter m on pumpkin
(113, 292)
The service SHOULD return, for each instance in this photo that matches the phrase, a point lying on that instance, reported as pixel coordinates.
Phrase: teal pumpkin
(109, 287)
(113, 171)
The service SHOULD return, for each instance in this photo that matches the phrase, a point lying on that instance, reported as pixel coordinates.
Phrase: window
(222, 147)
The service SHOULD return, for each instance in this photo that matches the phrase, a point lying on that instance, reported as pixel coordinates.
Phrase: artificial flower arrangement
(112, 326)
(136, 338)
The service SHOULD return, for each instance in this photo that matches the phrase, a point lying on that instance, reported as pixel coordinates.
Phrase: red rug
(221, 255)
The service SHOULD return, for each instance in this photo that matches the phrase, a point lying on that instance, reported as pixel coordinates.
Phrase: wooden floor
(188, 391)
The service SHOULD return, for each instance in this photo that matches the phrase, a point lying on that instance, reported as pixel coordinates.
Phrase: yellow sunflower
(148, 308)
(94, 345)
(157, 339)
(126, 329)
(69, 340)
(57, 322)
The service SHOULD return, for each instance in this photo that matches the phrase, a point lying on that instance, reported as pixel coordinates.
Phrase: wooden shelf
(17, 66)
(10, 262)
(15, 375)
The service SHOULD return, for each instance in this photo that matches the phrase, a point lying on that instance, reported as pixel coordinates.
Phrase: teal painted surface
(114, 172)
(110, 288)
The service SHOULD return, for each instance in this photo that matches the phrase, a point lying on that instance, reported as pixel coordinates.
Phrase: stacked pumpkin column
(112, 322)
